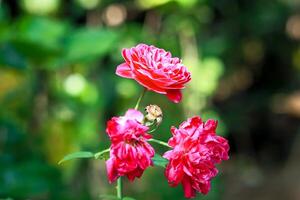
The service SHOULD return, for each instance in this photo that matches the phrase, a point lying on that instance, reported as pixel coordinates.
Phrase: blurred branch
(39, 99)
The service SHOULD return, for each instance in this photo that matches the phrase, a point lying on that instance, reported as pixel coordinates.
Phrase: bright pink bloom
(155, 69)
(130, 153)
(196, 150)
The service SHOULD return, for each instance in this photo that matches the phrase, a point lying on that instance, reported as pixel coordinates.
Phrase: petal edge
(124, 71)
(174, 95)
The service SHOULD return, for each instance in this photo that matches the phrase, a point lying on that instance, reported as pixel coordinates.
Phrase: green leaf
(88, 44)
(80, 154)
(158, 160)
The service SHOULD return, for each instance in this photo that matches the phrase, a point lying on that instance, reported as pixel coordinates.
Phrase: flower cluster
(196, 150)
(195, 147)
(130, 153)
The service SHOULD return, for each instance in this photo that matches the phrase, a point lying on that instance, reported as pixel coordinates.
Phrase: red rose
(130, 153)
(196, 150)
(155, 69)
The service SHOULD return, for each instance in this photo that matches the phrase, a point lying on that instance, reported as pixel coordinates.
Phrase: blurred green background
(58, 88)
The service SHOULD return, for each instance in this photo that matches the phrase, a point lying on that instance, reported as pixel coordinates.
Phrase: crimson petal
(174, 95)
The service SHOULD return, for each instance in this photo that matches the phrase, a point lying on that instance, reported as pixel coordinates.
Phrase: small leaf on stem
(102, 154)
(80, 154)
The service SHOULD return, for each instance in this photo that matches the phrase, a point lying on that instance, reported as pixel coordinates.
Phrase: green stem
(119, 188)
(153, 130)
(159, 142)
(119, 182)
(97, 155)
(140, 99)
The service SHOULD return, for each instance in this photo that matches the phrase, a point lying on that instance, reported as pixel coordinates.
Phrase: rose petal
(149, 85)
(189, 192)
(135, 115)
(124, 70)
(174, 95)
(126, 55)
(111, 172)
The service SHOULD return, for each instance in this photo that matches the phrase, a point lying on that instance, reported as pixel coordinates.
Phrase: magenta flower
(196, 150)
(155, 69)
(130, 153)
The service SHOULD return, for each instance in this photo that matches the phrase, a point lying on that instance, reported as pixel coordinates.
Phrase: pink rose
(155, 69)
(130, 153)
(196, 150)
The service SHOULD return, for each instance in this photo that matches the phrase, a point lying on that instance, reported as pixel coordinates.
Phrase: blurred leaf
(3, 12)
(39, 38)
(128, 198)
(88, 44)
(152, 3)
(158, 160)
(28, 178)
(5, 31)
(10, 57)
(80, 154)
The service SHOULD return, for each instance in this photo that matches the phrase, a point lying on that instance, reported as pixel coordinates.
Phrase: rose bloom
(196, 150)
(130, 153)
(155, 69)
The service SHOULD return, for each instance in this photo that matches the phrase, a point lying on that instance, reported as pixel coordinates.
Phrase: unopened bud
(154, 113)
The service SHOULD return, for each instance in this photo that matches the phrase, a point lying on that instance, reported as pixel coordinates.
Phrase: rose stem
(119, 188)
(159, 142)
(140, 99)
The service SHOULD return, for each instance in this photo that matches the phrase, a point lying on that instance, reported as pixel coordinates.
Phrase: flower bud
(153, 112)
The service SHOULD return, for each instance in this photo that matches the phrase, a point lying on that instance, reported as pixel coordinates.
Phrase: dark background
(58, 88)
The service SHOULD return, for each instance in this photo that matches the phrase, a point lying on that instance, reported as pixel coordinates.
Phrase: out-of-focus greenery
(58, 88)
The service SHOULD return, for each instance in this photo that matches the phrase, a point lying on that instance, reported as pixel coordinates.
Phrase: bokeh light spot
(115, 14)
(41, 7)
(74, 84)
(293, 27)
(151, 3)
(88, 4)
